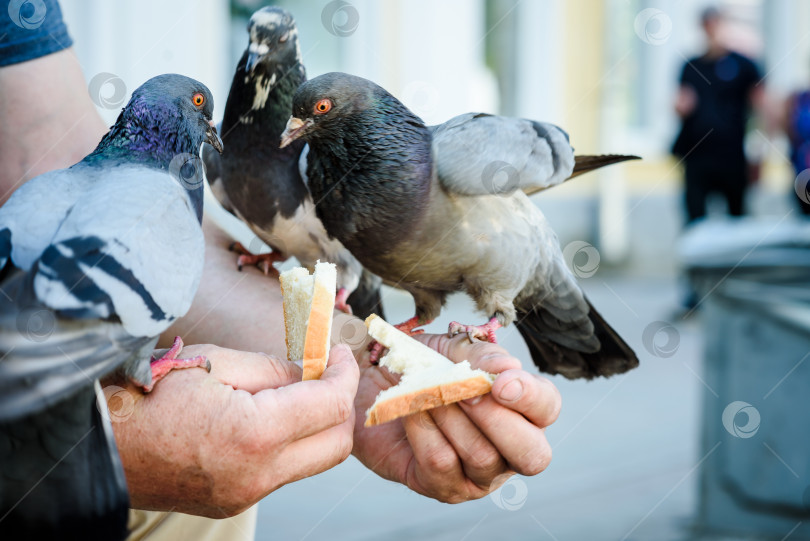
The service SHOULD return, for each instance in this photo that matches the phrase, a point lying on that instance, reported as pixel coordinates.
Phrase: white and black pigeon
(96, 261)
(424, 208)
(264, 185)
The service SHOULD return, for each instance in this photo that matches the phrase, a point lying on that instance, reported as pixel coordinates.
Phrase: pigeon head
(166, 116)
(323, 105)
(273, 39)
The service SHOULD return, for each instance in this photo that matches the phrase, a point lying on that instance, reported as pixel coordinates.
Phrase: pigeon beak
(295, 129)
(212, 137)
(252, 60)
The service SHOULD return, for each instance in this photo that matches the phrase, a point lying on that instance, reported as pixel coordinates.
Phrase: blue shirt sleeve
(30, 29)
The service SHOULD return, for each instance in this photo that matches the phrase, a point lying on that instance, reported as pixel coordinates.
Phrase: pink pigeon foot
(340, 301)
(169, 362)
(263, 261)
(408, 327)
(484, 332)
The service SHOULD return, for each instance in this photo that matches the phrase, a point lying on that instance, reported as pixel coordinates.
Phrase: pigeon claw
(263, 261)
(340, 301)
(484, 332)
(169, 361)
(408, 327)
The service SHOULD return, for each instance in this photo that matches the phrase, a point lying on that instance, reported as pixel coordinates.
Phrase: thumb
(342, 369)
(247, 371)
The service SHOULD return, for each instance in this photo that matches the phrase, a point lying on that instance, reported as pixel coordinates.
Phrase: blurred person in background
(716, 95)
(796, 124)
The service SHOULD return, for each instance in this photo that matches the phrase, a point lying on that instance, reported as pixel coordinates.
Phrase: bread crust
(425, 399)
(316, 343)
(284, 296)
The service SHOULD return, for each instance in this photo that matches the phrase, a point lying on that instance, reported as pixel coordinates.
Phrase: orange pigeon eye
(198, 99)
(323, 106)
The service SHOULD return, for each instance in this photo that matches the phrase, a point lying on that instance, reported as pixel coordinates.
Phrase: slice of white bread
(309, 301)
(428, 378)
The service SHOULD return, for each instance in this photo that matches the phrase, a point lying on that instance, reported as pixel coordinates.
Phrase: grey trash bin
(754, 281)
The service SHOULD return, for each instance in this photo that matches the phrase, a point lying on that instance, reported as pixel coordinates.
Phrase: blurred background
(708, 438)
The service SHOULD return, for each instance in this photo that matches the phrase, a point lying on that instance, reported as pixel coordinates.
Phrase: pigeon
(429, 209)
(96, 261)
(262, 184)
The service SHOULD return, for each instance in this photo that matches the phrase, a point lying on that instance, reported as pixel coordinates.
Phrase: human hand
(215, 444)
(465, 450)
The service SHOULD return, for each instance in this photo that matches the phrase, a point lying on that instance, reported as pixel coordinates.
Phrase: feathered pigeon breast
(370, 162)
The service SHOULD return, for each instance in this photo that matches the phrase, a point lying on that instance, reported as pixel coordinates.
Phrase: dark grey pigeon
(425, 209)
(95, 262)
(261, 183)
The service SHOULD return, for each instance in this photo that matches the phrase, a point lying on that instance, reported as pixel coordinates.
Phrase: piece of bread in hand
(429, 379)
(309, 300)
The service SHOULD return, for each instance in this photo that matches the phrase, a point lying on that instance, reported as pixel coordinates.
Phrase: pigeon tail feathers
(559, 348)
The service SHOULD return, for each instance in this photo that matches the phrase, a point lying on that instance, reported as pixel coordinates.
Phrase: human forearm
(238, 310)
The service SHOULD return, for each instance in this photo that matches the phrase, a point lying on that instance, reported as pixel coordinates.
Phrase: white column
(137, 40)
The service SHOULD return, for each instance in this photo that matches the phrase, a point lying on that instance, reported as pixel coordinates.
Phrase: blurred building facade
(604, 70)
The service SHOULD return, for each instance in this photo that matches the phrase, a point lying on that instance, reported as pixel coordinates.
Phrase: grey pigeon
(263, 184)
(426, 209)
(95, 262)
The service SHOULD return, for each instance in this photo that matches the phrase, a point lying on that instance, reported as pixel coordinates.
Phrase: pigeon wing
(131, 248)
(481, 154)
(25, 230)
(123, 264)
